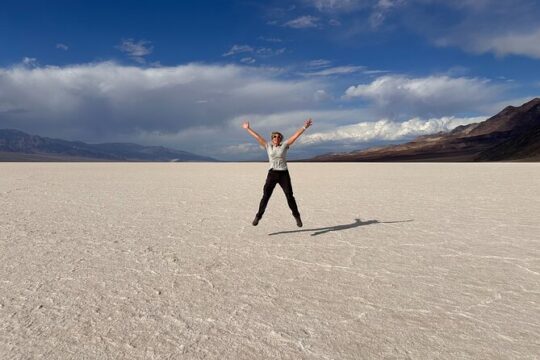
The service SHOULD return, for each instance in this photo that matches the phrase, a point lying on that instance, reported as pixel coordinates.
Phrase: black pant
(274, 177)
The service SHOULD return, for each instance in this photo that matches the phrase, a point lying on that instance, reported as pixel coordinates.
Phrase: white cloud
(485, 26)
(247, 60)
(31, 62)
(200, 108)
(378, 9)
(343, 130)
(238, 49)
(511, 43)
(289, 121)
(62, 46)
(337, 70)
(428, 96)
(477, 26)
(110, 102)
(136, 50)
(267, 52)
(387, 4)
(302, 22)
(318, 64)
(241, 149)
(321, 95)
(386, 130)
(259, 52)
(375, 72)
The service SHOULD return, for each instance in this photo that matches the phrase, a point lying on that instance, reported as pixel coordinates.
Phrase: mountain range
(511, 135)
(16, 145)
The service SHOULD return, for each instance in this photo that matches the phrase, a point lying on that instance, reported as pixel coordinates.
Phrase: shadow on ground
(357, 222)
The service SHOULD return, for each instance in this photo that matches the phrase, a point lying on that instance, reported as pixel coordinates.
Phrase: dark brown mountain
(18, 146)
(512, 134)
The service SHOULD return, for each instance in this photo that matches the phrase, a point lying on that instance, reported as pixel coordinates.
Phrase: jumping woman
(278, 173)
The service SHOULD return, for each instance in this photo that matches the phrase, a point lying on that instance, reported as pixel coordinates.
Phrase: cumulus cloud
(302, 22)
(200, 107)
(110, 102)
(289, 121)
(345, 130)
(387, 130)
(62, 46)
(428, 96)
(136, 50)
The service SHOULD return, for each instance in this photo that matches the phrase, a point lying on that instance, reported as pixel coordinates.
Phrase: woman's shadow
(357, 222)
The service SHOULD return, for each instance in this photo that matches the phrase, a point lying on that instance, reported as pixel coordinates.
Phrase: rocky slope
(512, 134)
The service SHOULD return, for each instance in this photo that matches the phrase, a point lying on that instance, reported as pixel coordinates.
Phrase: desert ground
(160, 261)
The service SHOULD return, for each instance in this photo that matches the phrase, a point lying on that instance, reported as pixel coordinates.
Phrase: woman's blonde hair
(276, 133)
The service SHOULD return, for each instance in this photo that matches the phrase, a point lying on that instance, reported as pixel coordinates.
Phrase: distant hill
(512, 134)
(16, 145)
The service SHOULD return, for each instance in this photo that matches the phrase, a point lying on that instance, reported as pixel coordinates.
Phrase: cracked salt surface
(154, 261)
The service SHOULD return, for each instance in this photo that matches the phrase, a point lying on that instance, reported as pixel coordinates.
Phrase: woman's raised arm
(259, 138)
(300, 131)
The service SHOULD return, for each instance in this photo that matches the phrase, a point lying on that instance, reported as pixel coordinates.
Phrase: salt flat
(159, 261)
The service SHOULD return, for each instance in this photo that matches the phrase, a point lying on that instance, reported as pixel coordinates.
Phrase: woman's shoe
(256, 220)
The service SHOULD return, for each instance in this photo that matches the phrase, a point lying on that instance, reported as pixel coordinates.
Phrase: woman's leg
(271, 181)
(286, 185)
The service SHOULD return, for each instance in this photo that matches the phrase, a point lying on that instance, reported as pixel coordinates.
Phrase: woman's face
(276, 139)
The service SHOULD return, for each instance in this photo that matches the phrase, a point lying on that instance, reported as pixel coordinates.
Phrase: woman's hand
(308, 123)
(252, 132)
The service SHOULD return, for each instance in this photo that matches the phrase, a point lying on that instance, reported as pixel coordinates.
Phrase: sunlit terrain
(143, 261)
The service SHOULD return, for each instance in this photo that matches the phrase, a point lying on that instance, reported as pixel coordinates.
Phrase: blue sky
(186, 74)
